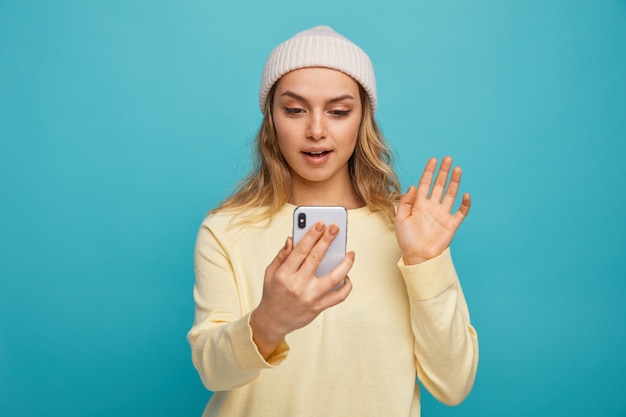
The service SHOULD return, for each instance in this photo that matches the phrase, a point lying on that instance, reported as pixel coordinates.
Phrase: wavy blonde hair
(268, 185)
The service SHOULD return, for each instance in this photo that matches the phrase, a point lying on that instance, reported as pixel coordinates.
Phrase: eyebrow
(332, 100)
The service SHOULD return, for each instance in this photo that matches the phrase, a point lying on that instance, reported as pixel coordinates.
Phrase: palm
(425, 225)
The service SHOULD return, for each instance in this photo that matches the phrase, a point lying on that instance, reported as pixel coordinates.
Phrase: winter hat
(318, 47)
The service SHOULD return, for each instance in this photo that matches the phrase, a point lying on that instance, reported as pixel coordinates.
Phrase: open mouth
(317, 154)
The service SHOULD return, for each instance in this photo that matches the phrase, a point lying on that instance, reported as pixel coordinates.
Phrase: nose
(316, 128)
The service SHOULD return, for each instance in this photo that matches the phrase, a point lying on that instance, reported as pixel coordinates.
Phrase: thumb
(406, 202)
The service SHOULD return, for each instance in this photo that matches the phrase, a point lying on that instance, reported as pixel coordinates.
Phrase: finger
(332, 280)
(406, 203)
(280, 258)
(332, 298)
(304, 247)
(315, 256)
(442, 179)
(466, 202)
(331, 285)
(453, 188)
(423, 186)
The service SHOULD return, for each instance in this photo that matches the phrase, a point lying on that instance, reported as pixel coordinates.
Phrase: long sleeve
(223, 351)
(398, 322)
(446, 344)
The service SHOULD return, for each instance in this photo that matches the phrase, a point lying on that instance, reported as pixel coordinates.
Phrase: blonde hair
(268, 185)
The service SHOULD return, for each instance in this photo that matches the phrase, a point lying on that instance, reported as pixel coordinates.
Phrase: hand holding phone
(291, 297)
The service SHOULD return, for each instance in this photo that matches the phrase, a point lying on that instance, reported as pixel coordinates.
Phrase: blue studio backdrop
(122, 123)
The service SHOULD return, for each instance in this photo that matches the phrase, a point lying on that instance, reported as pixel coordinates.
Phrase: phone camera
(301, 220)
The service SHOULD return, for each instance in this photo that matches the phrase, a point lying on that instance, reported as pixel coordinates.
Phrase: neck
(316, 194)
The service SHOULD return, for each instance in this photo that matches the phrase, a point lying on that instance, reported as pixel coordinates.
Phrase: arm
(446, 346)
(223, 350)
(230, 346)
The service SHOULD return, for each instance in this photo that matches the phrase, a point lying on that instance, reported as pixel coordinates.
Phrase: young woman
(271, 339)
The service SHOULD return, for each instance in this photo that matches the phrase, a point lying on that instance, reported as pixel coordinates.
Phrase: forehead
(318, 81)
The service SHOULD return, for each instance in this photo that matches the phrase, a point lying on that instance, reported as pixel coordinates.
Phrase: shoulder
(234, 222)
(221, 230)
(233, 233)
(231, 220)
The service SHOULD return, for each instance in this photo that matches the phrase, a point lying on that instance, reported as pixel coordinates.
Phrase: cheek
(282, 126)
(351, 134)
(282, 137)
(284, 140)
(353, 128)
(288, 131)
(283, 148)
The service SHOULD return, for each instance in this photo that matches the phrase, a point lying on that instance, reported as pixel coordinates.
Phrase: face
(317, 115)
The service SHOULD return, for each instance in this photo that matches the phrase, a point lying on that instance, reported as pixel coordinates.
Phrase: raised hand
(425, 224)
(292, 295)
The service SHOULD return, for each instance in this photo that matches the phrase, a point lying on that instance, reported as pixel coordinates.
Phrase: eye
(340, 113)
(293, 111)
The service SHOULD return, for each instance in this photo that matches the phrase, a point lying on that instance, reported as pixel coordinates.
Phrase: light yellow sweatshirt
(359, 358)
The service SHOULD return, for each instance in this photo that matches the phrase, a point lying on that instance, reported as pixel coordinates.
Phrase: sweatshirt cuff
(429, 279)
(246, 351)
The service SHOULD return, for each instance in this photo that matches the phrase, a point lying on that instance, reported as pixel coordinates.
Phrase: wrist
(266, 335)
(413, 260)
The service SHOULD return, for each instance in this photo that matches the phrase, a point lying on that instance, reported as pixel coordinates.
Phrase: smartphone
(304, 217)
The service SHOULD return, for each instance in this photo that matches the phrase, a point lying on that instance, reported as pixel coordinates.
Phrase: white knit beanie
(319, 47)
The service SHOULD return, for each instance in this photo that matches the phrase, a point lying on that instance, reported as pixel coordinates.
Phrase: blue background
(122, 123)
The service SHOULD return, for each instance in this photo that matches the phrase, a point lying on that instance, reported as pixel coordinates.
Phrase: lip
(316, 156)
(315, 149)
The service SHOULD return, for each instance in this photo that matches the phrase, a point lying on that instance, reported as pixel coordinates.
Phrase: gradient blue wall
(122, 123)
